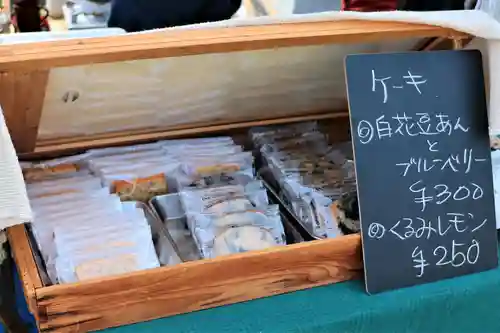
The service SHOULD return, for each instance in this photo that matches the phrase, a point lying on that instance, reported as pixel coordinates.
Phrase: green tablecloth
(469, 304)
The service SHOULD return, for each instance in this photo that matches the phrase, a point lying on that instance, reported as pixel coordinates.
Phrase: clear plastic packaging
(77, 245)
(346, 212)
(54, 168)
(53, 188)
(83, 231)
(222, 140)
(101, 152)
(221, 199)
(236, 232)
(81, 242)
(95, 217)
(188, 151)
(119, 229)
(310, 174)
(75, 200)
(268, 134)
(73, 159)
(150, 157)
(116, 260)
(217, 163)
(217, 169)
(142, 182)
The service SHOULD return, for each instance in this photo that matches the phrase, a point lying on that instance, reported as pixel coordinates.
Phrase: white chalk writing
(422, 124)
(442, 193)
(455, 255)
(424, 228)
(436, 170)
(411, 79)
(459, 162)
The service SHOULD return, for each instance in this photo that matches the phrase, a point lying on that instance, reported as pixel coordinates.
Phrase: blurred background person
(139, 15)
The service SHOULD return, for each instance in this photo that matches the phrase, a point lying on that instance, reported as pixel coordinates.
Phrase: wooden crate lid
(71, 94)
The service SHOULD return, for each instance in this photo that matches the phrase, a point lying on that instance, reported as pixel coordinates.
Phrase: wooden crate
(67, 96)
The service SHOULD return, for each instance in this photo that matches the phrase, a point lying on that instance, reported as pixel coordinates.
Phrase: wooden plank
(161, 94)
(422, 44)
(26, 266)
(14, 121)
(212, 40)
(445, 44)
(22, 95)
(65, 145)
(197, 285)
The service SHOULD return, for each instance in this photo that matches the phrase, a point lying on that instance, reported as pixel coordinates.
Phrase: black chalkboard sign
(425, 186)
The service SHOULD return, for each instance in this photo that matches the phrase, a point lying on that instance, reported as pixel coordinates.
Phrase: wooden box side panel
(199, 285)
(192, 91)
(26, 266)
(189, 41)
(98, 98)
(22, 98)
(53, 148)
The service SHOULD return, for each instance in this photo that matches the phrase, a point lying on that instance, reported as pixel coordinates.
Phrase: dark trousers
(8, 310)
(139, 15)
(431, 5)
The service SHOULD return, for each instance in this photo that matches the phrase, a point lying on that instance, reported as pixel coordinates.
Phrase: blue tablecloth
(469, 304)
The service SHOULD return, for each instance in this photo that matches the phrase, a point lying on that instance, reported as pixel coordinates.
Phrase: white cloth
(47, 36)
(491, 7)
(14, 203)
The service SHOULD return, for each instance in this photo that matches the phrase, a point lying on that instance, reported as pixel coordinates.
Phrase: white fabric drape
(14, 204)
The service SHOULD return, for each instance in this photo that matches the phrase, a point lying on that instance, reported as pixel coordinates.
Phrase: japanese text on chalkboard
(411, 80)
(432, 127)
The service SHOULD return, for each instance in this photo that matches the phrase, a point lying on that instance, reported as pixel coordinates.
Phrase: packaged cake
(311, 175)
(55, 168)
(237, 232)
